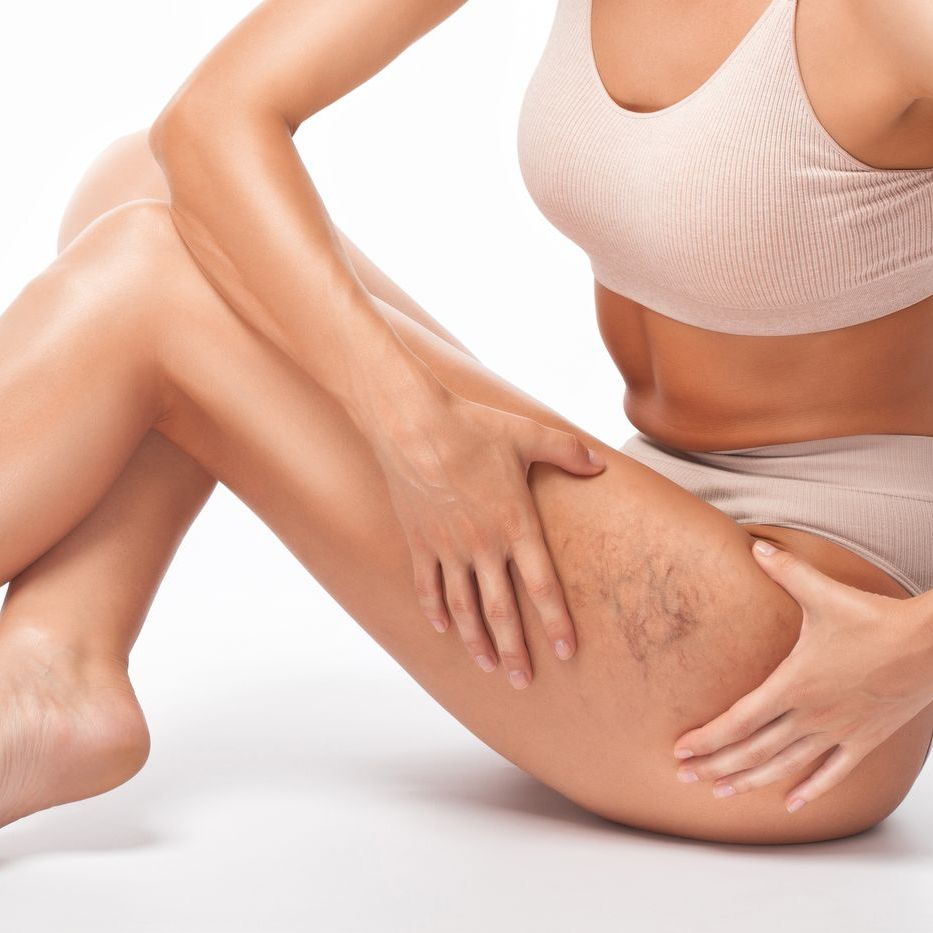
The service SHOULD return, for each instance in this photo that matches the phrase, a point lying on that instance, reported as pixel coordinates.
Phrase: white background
(299, 780)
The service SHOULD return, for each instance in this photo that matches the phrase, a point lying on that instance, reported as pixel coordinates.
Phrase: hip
(870, 493)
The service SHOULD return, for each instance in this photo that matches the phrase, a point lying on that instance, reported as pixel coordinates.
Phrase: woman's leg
(70, 723)
(675, 618)
(71, 617)
(84, 592)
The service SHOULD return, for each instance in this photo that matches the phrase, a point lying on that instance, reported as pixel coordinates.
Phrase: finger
(784, 764)
(745, 716)
(563, 449)
(503, 619)
(839, 764)
(463, 605)
(534, 565)
(429, 588)
(807, 585)
(752, 752)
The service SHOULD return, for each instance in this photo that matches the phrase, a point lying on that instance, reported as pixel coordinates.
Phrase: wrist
(390, 392)
(356, 355)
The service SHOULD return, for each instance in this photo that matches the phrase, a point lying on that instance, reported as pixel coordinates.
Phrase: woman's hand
(458, 477)
(860, 669)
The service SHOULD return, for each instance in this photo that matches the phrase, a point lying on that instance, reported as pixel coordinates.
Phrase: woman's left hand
(861, 668)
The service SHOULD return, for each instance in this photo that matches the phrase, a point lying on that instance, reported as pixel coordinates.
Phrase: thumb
(563, 449)
(799, 577)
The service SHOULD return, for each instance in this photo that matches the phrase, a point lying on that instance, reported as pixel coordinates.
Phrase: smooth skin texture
(867, 70)
(71, 618)
(45, 600)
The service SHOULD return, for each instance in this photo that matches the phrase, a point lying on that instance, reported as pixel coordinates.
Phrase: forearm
(254, 222)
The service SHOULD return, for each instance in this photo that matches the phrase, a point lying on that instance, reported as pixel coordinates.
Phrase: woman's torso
(701, 390)
(704, 389)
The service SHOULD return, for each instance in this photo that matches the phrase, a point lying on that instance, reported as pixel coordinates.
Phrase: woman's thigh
(675, 619)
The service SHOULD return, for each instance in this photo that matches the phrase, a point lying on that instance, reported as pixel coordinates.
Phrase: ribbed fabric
(871, 493)
(733, 209)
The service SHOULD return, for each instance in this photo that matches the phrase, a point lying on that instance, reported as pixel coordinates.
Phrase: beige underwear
(871, 493)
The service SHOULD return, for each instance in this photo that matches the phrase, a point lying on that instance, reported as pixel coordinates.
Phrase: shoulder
(903, 31)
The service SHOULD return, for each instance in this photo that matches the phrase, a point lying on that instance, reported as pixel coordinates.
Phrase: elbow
(156, 137)
(174, 131)
(197, 126)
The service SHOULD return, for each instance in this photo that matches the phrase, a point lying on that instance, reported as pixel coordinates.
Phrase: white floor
(301, 781)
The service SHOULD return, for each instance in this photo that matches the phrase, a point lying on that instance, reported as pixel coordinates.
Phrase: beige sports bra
(733, 209)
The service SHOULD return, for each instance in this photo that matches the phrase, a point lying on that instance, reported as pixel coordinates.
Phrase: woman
(763, 277)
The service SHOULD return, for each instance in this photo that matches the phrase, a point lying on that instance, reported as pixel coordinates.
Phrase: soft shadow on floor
(287, 738)
(85, 827)
(469, 783)
(487, 787)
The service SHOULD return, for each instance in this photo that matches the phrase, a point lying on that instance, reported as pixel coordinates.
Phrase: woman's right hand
(457, 473)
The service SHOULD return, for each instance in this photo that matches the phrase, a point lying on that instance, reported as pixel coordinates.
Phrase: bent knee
(121, 277)
(130, 248)
(124, 171)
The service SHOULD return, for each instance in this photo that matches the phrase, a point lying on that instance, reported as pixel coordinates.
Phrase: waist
(699, 389)
(702, 427)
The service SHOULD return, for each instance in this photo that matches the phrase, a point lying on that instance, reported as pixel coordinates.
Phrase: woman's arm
(250, 213)
(902, 32)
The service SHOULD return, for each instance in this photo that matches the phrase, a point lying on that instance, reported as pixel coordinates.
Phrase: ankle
(45, 648)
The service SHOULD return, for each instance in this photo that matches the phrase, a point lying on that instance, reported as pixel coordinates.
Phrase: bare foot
(70, 724)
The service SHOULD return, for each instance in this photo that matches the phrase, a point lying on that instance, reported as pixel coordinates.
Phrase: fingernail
(440, 626)
(563, 649)
(795, 804)
(485, 662)
(764, 547)
(595, 458)
(723, 790)
(687, 777)
(683, 753)
(519, 679)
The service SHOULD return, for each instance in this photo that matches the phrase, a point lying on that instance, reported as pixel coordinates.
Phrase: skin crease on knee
(675, 619)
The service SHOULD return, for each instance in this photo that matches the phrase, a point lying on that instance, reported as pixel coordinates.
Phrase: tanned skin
(196, 360)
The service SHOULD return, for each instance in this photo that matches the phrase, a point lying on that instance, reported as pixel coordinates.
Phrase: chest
(729, 200)
(647, 62)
